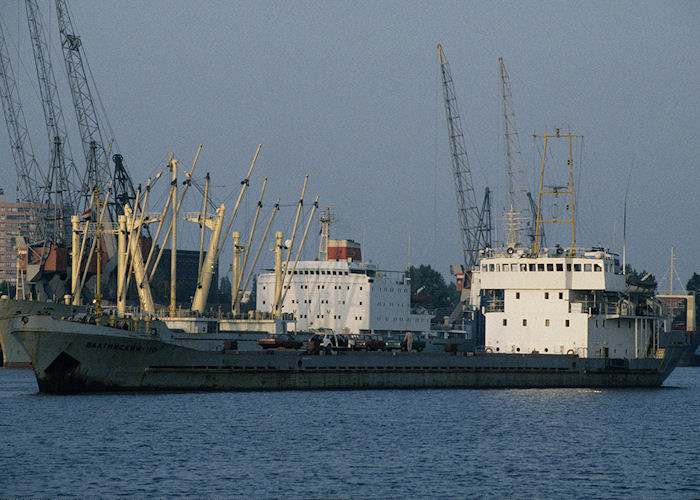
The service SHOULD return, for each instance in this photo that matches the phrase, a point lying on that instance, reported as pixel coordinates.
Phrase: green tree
(431, 283)
(640, 278)
(693, 283)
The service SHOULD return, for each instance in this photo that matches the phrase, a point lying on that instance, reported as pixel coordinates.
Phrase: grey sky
(350, 93)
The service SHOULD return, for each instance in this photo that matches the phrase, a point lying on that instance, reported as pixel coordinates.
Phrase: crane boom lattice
(98, 171)
(516, 208)
(474, 232)
(62, 173)
(31, 182)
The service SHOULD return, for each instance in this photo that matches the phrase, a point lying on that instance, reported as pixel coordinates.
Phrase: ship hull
(72, 357)
(13, 353)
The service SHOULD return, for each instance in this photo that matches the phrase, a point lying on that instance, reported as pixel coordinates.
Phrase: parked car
(399, 343)
(367, 342)
(393, 344)
(283, 340)
(329, 341)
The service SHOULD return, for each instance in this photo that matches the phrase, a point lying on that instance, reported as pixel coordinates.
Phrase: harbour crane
(62, 172)
(98, 172)
(475, 226)
(31, 181)
(516, 215)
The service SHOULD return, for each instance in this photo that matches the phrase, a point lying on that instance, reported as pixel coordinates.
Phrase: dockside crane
(517, 210)
(98, 171)
(62, 174)
(31, 180)
(475, 226)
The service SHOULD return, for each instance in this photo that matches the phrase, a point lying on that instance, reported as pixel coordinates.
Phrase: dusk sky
(350, 93)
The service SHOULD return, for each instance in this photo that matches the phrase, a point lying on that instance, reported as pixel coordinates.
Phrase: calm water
(389, 444)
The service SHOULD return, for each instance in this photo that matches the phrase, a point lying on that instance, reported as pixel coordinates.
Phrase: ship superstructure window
(514, 267)
(505, 322)
(550, 267)
(523, 267)
(568, 267)
(561, 295)
(546, 322)
(540, 267)
(587, 268)
(517, 295)
(577, 267)
(597, 268)
(546, 295)
(505, 268)
(531, 267)
(560, 267)
(566, 323)
(524, 322)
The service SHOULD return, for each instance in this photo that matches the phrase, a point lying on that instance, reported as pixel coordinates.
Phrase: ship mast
(672, 275)
(557, 190)
(326, 219)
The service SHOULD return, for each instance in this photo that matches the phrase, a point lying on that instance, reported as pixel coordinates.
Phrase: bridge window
(560, 267)
(540, 267)
(587, 268)
(550, 267)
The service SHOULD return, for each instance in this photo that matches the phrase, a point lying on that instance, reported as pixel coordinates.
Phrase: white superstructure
(562, 302)
(344, 295)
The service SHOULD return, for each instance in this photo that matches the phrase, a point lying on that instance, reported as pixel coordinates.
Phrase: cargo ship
(73, 355)
(542, 317)
(560, 317)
